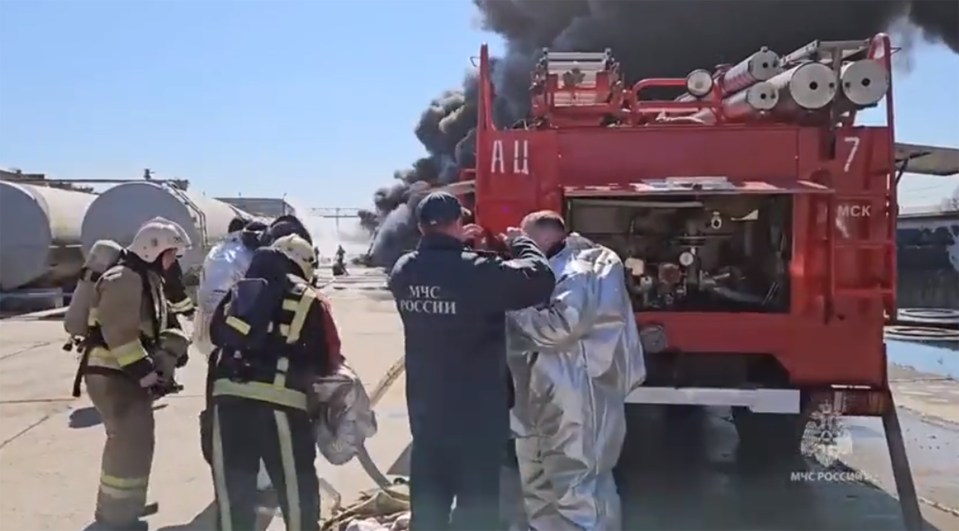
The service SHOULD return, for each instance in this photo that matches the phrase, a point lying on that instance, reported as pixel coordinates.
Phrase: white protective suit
(573, 363)
(224, 265)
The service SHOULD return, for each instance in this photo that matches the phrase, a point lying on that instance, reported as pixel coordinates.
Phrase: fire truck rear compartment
(695, 253)
(705, 253)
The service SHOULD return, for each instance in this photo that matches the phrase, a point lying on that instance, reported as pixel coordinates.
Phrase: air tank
(117, 214)
(40, 235)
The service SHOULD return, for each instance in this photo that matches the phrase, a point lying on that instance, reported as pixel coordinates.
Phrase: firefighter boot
(127, 413)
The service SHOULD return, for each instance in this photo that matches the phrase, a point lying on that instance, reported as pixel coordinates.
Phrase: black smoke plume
(650, 38)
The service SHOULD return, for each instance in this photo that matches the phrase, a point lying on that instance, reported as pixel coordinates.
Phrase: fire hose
(388, 501)
(387, 381)
(363, 456)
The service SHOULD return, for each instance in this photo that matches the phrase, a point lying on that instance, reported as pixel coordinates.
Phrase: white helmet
(299, 251)
(156, 236)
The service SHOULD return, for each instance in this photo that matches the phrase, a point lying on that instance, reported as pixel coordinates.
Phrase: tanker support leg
(905, 487)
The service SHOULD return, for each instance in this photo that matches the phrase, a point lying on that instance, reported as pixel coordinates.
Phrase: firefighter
(226, 263)
(274, 334)
(339, 265)
(286, 224)
(236, 224)
(128, 315)
(574, 361)
(223, 266)
(452, 301)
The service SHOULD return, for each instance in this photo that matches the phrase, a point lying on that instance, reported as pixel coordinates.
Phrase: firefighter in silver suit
(573, 360)
(128, 318)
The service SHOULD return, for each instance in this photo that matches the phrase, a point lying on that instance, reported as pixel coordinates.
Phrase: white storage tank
(40, 235)
(117, 214)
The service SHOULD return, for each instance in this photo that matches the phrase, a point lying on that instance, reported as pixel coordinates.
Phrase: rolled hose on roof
(921, 333)
(934, 317)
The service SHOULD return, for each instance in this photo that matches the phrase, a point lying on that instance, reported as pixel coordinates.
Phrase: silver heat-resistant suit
(574, 361)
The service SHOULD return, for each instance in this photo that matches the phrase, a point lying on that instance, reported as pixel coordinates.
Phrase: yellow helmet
(299, 251)
(156, 236)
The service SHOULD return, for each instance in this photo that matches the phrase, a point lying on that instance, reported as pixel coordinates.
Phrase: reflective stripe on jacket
(122, 314)
(282, 384)
(182, 306)
(118, 358)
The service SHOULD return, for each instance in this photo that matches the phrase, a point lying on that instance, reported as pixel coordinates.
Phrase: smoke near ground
(650, 38)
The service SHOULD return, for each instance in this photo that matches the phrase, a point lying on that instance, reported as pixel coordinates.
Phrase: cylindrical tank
(759, 97)
(864, 82)
(40, 235)
(809, 86)
(117, 214)
(759, 66)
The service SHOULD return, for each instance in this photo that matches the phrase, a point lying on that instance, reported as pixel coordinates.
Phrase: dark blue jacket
(453, 301)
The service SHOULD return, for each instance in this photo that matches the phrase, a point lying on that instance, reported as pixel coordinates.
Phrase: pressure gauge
(686, 259)
(653, 339)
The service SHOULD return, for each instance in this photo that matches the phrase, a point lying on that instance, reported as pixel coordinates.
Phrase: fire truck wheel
(768, 438)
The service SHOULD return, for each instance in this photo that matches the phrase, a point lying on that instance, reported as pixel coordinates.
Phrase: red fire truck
(755, 219)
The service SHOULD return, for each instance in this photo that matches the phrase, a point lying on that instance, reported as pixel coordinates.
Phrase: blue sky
(312, 99)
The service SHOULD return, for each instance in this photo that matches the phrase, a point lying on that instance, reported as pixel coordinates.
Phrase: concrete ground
(677, 472)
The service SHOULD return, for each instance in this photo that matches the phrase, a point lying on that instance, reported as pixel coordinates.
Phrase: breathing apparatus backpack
(103, 255)
(254, 303)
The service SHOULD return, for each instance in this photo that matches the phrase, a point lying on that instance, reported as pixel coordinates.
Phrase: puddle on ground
(939, 358)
